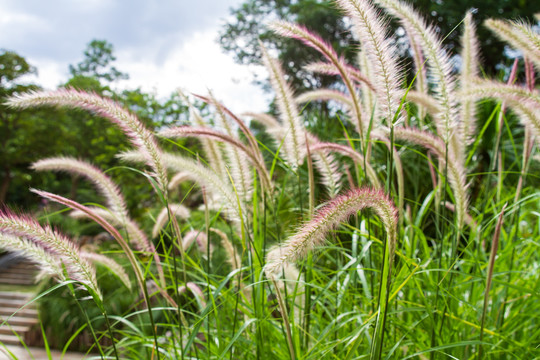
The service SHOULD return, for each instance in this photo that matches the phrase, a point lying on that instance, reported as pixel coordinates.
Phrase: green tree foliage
(21, 133)
(31, 135)
(240, 35)
(446, 15)
(98, 57)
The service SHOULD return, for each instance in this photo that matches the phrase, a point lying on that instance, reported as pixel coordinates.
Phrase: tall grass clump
(413, 235)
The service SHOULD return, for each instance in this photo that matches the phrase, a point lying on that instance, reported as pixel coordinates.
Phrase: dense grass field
(402, 224)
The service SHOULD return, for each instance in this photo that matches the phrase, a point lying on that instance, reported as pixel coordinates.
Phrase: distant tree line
(27, 136)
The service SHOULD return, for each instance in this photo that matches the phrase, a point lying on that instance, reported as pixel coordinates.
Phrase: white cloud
(197, 66)
(161, 45)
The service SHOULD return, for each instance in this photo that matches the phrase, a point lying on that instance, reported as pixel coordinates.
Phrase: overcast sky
(162, 45)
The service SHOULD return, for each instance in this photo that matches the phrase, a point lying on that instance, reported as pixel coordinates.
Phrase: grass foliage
(411, 234)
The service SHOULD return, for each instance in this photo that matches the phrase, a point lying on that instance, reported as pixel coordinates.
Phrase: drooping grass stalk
(110, 191)
(178, 210)
(440, 69)
(456, 172)
(139, 135)
(421, 80)
(526, 104)
(324, 94)
(329, 69)
(314, 232)
(354, 155)
(520, 35)
(123, 244)
(135, 235)
(115, 268)
(294, 140)
(213, 153)
(426, 103)
(489, 276)
(205, 177)
(46, 261)
(188, 131)
(379, 49)
(241, 124)
(52, 250)
(300, 33)
(327, 167)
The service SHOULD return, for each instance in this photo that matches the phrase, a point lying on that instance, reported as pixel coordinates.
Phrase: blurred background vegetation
(29, 135)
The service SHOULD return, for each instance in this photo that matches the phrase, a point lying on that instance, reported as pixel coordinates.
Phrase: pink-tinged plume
(178, 210)
(301, 33)
(104, 184)
(314, 232)
(140, 136)
(379, 49)
(53, 243)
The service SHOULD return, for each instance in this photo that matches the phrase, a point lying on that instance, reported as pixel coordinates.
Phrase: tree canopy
(240, 35)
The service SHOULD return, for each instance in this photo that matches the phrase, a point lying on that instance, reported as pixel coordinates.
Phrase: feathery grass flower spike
(140, 136)
(54, 245)
(314, 232)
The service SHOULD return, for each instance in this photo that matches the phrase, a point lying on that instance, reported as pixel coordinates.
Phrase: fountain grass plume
(110, 264)
(53, 243)
(421, 81)
(354, 155)
(238, 166)
(325, 94)
(46, 261)
(524, 102)
(265, 119)
(212, 151)
(206, 133)
(225, 112)
(202, 175)
(136, 236)
(294, 143)
(327, 166)
(176, 209)
(329, 69)
(367, 94)
(142, 138)
(337, 210)
(178, 179)
(439, 69)
(456, 171)
(104, 184)
(387, 75)
(469, 70)
(519, 35)
(301, 33)
(314, 232)
(425, 101)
